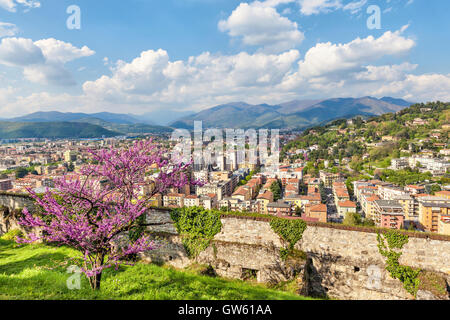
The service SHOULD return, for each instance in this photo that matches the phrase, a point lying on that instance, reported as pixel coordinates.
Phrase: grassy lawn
(29, 272)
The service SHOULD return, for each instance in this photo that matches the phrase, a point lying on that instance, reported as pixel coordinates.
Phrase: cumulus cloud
(62, 52)
(153, 78)
(386, 73)
(8, 29)
(20, 52)
(259, 24)
(11, 5)
(42, 61)
(425, 87)
(326, 58)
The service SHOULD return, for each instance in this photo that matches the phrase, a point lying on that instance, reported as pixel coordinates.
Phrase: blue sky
(139, 56)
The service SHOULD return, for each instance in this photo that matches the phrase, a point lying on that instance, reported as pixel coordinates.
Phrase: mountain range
(297, 114)
(53, 130)
(293, 114)
(55, 116)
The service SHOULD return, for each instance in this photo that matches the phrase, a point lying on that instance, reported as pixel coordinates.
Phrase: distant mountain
(122, 124)
(163, 117)
(55, 130)
(399, 102)
(297, 105)
(294, 114)
(135, 128)
(54, 116)
(232, 115)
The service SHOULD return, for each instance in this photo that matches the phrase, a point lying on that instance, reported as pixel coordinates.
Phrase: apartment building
(391, 193)
(444, 225)
(443, 194)
(5, 184)
(414, 189)
(209, 201)
(221, 189)
(434, 165)
(431, 212)
(344, 207)
(318, 211)
(174, 200)
(368, 206)
(399, 164)
(389, 214)
(243, 193)
(329, 178)
(191, 201)
(264, 199)
(279, 208)
(409, 207)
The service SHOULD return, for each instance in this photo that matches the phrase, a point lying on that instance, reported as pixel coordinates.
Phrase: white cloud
(8, 29)
(259, 24)
(153, 78)
(42, 61)
(20, 52)
(62, 52)
(11, 5)
(386, 73)
(326, 58)
(425, 87)
(153, 81)
(309, 7)
(355, 7)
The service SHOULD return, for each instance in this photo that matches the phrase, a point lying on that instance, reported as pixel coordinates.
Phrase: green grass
(30, 272)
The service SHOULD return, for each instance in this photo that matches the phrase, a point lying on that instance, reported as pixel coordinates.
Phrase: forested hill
(362, 146)
(54, 130)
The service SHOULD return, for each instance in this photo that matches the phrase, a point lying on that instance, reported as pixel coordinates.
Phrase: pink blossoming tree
(89, 211)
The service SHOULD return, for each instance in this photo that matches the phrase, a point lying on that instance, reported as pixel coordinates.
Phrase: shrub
(11, 235)
(197, 227)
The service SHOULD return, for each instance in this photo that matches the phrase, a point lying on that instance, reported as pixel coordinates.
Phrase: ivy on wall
(392, 252)
(290, 231)
(197, 227)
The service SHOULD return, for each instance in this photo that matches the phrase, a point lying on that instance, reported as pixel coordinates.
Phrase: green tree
(298, 211)
(275, 188)
(21, 172)
(352, 219)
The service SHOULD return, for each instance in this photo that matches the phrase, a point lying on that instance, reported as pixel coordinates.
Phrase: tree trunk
(95, 280)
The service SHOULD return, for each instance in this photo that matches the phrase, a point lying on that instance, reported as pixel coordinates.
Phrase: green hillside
(38, 272)
(56, 130)
(134, 128)
(369, 145)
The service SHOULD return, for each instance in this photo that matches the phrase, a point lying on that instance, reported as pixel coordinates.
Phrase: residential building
(329, 178)
(318, 211)
(430, 213)
(174, 200)
(5, 184)
(191, 201)
(389, 214)
(344, 207)
(264, 199)
(279, 208)
(444, 225)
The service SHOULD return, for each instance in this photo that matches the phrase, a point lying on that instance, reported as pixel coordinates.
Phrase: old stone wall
(340, 263)
(9, 204)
